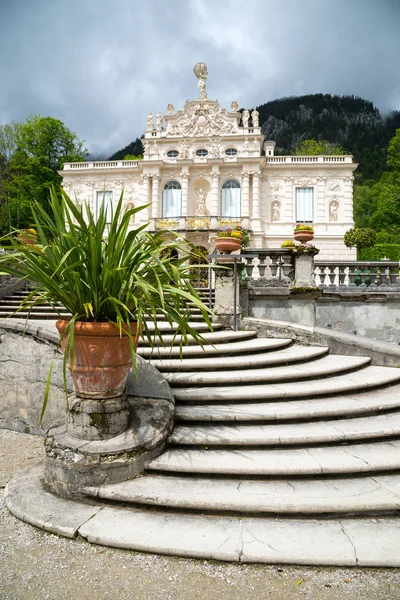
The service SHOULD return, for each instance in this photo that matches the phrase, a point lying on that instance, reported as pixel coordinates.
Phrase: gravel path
(35, 565)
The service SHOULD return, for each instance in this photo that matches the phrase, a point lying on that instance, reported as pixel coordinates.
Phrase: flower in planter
(238, 232)
(299, 227)
(288, 244)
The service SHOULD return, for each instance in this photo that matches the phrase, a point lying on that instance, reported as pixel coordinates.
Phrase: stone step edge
(278, 435)
(188, 413)
(291, 496)
(246, 540)
(263, 376)
(334, 385)
(313, 460)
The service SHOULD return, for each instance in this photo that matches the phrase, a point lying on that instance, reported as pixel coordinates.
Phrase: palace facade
(205, 168)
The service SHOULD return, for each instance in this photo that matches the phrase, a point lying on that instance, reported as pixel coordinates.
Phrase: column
(144, 214)
(256, 220)
(256, 195)
(185, 194)
(154, 197)
(245, 196)
(215, 198)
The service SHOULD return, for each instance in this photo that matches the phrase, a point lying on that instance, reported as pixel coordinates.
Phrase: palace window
(231, 151)
(172, 199)
(201, 153)
(304, 205)
(172, 153)
(105, 199)
(230, 198)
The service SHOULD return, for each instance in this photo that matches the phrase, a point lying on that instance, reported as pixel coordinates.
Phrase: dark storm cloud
(101, 65)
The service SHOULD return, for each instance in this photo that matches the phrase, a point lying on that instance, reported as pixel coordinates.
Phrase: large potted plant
(114, 283)
(303, 233)
(232, 239)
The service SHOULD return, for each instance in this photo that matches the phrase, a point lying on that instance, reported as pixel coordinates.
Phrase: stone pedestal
(304, 271)
(92, 419)
(109, 441)
(225, 308)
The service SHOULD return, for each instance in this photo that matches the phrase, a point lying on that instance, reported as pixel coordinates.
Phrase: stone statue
(130, 206)
(246, 145)
(201, 202)
(170, 109)
(245, 118)
(150, 122)
(254, 117)
(200, 70)
(159, 121)
(234, 106)
(333, 212)
(276, 213)
(153, 148)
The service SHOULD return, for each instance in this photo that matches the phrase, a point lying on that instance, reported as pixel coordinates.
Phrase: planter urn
(102, 358)
(303, 236)
(227, 245)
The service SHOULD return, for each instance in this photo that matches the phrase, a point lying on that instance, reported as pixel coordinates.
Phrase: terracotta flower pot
(226, 245)
(303, 236)
(102, 358)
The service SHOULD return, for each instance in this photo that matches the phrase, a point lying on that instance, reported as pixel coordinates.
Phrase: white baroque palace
(206, 168)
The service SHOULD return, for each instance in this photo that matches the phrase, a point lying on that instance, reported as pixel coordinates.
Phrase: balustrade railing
(309, 159)
(195, 223)
(104, 164)
(270, 266)
(353, 274)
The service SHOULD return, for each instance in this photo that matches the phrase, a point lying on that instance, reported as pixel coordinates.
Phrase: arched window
(230, 205)
(172, 199)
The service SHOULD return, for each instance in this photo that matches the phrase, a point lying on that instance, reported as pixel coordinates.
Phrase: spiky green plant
(100, 271)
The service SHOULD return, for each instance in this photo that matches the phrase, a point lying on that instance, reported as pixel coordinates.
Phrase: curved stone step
(199, 326)
(215, 337)
(316, 460)
(293, 354)
(288, 434)
(287, 496)
(357, 541)
(322, 367)
(331, 406)
(230, 349)
(368, 377)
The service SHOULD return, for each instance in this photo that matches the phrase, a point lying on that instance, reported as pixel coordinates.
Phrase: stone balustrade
(195, 223)
(270, 266)
(353, 274)
(108, 164)
(308, 159)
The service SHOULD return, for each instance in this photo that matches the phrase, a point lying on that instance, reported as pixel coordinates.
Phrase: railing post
(304, 271)
(226, 308)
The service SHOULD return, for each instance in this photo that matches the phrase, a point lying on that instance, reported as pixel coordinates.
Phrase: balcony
(195, 223)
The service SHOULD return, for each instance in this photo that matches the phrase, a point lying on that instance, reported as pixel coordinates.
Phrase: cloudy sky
(101, 65)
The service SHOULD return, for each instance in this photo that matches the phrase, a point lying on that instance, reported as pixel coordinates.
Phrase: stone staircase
(280, 454)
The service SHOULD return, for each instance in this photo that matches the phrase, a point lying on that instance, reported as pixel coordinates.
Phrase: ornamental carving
(304, 182)
(202, 118)
(334, 185)
(198, 223)
(166, 224)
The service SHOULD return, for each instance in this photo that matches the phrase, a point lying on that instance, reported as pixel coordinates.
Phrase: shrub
(380, 251)
(362, 237)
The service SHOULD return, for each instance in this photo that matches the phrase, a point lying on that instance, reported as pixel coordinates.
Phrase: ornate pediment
(201, 118)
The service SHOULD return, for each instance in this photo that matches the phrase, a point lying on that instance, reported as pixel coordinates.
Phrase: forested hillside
(353, 123)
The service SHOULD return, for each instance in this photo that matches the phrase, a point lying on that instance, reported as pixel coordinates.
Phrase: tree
(313, 147)
(133, 157)
(31, 153)
(393, 155)
(360, 238)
